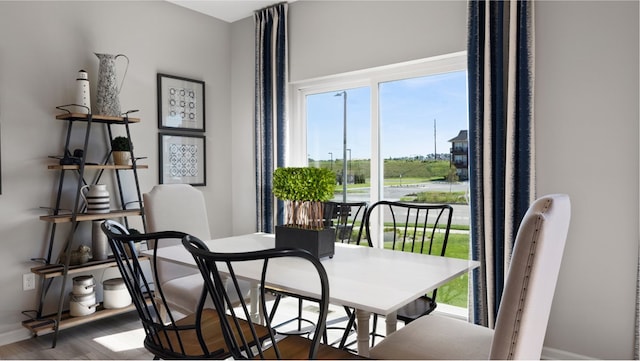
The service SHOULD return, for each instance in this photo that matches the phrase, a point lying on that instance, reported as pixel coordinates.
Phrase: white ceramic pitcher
(107, 101)
(96, 198)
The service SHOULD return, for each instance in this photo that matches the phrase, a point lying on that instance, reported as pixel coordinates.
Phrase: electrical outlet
(28, 281)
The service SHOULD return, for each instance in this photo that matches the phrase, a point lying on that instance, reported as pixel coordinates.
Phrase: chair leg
(161, 309)
(299, 314)
(347, 330)
(374, 329)
(276, 302)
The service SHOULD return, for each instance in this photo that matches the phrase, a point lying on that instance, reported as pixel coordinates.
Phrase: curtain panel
(501, 141)
(271, 78)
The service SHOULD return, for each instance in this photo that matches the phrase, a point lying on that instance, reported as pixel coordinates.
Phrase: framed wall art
(180, 103)
(182, 159)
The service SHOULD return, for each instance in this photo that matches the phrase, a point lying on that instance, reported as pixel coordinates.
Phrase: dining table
(368, 279)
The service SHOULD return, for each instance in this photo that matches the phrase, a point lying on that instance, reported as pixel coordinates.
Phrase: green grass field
(455, 292)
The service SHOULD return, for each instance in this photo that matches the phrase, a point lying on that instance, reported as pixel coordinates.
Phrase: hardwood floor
(121, 337)
(115, 338)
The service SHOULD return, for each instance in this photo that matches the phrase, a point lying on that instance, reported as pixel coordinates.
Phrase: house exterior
(460, 154)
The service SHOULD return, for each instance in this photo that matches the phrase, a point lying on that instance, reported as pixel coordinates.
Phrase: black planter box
(320, 243)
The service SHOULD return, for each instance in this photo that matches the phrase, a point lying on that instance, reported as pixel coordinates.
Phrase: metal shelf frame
(52, 268)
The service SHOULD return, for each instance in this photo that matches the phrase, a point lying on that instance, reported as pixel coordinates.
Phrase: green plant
(304, 189)
(121, 144)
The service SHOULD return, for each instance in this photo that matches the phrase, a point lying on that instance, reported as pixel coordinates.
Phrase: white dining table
(370, 280)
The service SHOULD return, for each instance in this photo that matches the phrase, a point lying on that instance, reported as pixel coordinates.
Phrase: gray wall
(587, 146)
(586, 113)
(42, 47)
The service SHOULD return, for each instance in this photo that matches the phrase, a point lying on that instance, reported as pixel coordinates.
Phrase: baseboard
(549, 353)
(18, 334)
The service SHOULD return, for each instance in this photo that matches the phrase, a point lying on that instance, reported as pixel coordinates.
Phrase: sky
(407, 112)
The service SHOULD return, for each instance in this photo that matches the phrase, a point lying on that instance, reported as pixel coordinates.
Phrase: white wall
(42, 47)
(242, 148)
(587, 146)
(586, 133)
(331, 37)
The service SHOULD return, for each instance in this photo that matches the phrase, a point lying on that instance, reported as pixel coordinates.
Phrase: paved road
(395, 193)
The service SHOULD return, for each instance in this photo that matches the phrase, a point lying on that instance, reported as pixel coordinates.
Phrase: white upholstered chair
(178, 207)
(524, 310)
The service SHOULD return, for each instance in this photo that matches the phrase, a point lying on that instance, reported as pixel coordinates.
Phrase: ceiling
(227, 10)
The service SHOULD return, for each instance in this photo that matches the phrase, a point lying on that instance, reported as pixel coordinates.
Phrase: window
(396, 133)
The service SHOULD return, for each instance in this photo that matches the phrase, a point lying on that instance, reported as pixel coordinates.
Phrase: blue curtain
(501, 141)
(270, 107)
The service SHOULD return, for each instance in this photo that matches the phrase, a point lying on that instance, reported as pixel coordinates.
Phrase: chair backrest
(348, 220)
(166, 337)
(178, 207)
(240, 339)
(409, 227)
(531, 280)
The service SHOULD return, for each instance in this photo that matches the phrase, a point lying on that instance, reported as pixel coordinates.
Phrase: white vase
(107, 101)
(99, 243)
(83, 97)
(96, 198)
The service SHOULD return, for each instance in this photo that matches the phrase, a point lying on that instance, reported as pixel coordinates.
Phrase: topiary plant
(120, 144)
(304, 189)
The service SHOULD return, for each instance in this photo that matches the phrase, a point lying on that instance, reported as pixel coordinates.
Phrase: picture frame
(182, 159)
(180, 103)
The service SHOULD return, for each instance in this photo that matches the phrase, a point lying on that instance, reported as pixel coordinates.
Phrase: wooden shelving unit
(57, 270)
(95, 167)
(46, 324)
(65, 218)
(51, 269)
(97, 118)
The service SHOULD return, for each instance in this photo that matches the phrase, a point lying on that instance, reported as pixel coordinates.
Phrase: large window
(394, 133)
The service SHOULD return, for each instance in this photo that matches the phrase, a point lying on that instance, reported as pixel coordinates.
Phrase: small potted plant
(121, 150)
(304, 191)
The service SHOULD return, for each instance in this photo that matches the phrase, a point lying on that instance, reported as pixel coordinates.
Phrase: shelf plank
(55, 270)
(81, 217)
(95, 118)
(46, 324)
(95, 166)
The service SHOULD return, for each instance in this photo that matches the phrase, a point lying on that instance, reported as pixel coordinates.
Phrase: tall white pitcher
(107, 101)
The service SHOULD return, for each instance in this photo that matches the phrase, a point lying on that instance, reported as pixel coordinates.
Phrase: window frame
(299, 90)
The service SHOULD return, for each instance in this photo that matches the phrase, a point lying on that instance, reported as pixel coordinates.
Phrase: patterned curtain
(270, 107)
(501, 141)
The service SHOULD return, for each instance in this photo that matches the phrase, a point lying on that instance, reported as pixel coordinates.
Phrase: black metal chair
(239, 340)
(348, 221)
(169, 334)
(411, 227)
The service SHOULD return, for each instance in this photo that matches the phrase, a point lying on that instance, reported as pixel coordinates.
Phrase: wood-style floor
(114, 338)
